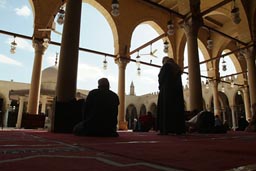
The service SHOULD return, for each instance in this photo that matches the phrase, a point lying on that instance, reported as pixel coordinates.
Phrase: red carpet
(30, 149)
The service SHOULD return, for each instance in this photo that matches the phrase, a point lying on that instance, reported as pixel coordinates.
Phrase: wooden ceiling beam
(164, 8)
(215, 7)
(148, 43)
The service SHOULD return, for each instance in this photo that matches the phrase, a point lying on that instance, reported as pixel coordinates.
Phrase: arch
(181, 51)
(108, 17)
(13, 114)
(131, 116)
(143, 110)
(153, 109)
(159, 31)
(235, 62)
(226, 114)
(32, 7)
(239, 104)
(143, 33)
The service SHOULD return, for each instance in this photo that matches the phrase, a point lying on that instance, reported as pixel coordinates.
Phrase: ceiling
(216, 14)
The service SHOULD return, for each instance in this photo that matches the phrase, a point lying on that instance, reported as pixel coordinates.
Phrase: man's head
(103, 83)
(167, 59)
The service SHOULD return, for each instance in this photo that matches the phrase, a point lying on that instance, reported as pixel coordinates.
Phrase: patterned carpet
(34, 149)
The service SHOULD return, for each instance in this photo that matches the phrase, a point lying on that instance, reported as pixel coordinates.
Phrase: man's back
(102, 106)
(100, 112)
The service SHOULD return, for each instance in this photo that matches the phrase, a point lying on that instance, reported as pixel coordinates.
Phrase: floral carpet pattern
(138, 151)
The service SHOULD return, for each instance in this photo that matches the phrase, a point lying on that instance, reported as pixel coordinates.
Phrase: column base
(122, 125)
(66, 115)
(32, 121)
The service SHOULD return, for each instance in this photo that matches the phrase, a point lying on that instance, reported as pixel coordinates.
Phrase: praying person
(170, 105)
(100, 112)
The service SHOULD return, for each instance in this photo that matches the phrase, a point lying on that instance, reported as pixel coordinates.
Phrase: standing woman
(170, 107)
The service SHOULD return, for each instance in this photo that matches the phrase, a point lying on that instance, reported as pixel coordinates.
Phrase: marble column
(250, 61)
(68, 62)
(20, 112)
(217, 110)
(248, 114)
(122, 63)
(34, 91)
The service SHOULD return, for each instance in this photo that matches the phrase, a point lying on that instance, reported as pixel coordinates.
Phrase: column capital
(191, 25)
(122, 61)
(21, 97)
(43, 98)
(215, 82)
(39, 45)
(245, 89)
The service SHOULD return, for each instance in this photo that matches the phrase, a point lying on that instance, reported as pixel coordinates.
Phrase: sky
(16, 16)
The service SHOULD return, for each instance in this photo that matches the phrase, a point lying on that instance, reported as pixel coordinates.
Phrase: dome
(49, 78)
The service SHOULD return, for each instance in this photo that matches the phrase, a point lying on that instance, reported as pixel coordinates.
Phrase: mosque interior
(219, 28)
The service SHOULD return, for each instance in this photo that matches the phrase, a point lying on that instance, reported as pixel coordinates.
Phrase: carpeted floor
(40, 150)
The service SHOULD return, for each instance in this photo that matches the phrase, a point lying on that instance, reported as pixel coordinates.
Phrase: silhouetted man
(100, 112)
(170, 107)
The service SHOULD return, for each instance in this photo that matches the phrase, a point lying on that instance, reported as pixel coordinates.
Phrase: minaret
(56, 59)
(132, 93)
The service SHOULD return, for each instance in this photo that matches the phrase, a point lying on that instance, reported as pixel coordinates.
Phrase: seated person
(146, 122)
(100, 112)
(242, 124)
(219, 127)
(252, 126)
(206, 122)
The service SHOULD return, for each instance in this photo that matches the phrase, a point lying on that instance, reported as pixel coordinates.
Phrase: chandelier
(105, 63)
(166, 46)
(13, 46)
(235, 14)
(115, 8)
(61, 16)
(170, 28)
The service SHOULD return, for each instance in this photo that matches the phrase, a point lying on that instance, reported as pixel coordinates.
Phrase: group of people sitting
(101, 110)
(145, 123)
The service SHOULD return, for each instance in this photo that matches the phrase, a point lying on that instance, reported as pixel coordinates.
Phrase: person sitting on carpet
(100, 112)
(146, 122)
(204, 122)
(242, 124)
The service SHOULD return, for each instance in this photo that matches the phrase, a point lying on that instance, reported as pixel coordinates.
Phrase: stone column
(247, 103)
(20, 112)
(43, 102)
(233, 110)
(122, 62)
(217, 110)
(68, 112)
(191, 27)
(68, 62)
(250, 61)
(34, 92)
